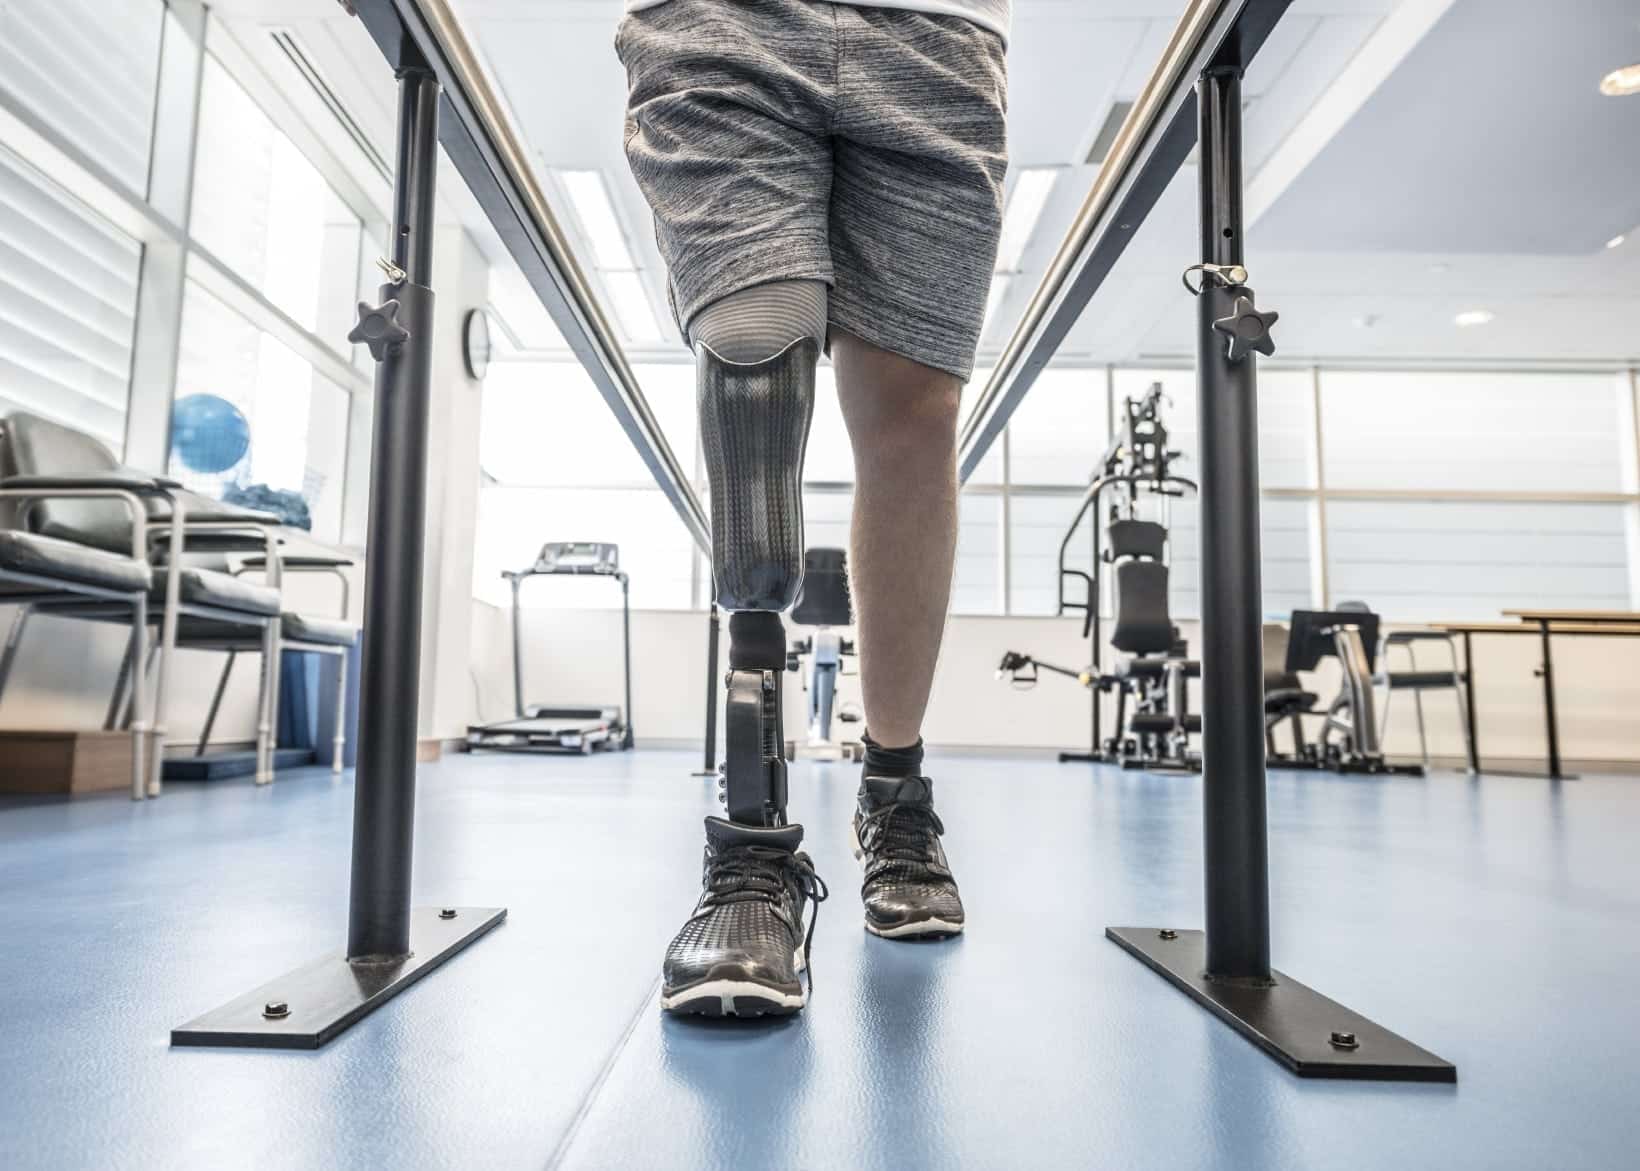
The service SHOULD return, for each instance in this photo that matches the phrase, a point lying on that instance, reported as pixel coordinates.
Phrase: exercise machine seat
(43, 556)
(824, 600)
(1143, 624)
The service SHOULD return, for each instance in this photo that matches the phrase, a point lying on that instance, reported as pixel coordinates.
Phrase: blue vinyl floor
(1496, 922)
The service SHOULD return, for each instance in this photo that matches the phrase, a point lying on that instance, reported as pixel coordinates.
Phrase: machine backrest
(1311, 637)
(1136, 538)
(1143, 624)
(34, 446)
(824, 600)
(1276, 675)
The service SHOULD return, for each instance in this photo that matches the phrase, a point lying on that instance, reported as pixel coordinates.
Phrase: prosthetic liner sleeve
(754, 425)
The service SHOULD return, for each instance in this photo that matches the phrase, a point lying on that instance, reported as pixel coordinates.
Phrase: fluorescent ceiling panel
(1025, 204)
(589, 195)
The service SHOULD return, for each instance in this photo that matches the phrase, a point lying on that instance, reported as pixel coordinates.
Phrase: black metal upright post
(390, 945)
(384, 796)
(1236, 856)
(1226, 968)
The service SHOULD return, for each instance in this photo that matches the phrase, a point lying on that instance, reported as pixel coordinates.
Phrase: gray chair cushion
(206, 587)
(65, 560)
(327, 631)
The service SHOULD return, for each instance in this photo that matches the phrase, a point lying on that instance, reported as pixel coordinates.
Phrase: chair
(1284, 696)
(823, 604)
(197, 607)
(40, 570)
(1418, 681)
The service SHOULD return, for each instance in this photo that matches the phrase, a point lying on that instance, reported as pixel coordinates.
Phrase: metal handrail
(486, 151)
(1155, 139)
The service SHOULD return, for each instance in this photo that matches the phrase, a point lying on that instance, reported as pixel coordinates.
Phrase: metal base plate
(1304, 1030)
(325, 997)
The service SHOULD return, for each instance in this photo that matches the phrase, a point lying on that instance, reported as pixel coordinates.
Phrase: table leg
(1469, 703)
(1551, 723)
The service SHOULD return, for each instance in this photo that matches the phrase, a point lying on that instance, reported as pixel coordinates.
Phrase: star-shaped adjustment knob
(1248, 328)
(379, 329)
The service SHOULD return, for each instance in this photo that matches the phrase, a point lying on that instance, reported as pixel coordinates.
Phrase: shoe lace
(740, 874)
(903, 838)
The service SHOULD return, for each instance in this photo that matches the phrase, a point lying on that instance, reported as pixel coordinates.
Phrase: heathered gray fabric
(801, 140)
(757, 323)
(994, 15)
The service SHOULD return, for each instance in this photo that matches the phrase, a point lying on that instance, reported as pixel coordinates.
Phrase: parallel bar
(1232, 681)
(385, 787)
(1153, 143)
(495, 166)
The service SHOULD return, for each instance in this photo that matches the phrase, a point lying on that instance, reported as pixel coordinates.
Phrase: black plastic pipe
(384, 798)
(1235, 845)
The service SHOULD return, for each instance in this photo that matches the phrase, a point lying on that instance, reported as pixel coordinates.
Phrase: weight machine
(1155, 674)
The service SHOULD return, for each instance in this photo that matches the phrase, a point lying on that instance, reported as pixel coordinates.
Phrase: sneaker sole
(921, 928)
(736, 998)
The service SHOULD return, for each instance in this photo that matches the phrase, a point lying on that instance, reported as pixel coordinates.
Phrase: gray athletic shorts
(802, 140)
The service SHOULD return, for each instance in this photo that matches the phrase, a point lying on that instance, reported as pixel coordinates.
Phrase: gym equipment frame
(581, 728)
(1226, 967)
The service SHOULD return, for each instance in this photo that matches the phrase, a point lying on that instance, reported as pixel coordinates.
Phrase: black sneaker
(742, 950)
(908, 891)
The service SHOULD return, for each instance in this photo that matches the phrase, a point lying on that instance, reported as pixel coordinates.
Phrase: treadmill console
(578, 557)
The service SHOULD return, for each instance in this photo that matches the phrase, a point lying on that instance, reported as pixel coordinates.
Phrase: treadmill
(553, 727)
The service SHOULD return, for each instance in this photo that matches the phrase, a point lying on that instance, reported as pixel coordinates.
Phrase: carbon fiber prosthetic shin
(754, 424)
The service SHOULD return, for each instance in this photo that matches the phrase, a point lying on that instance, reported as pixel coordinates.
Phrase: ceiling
(1406, 160)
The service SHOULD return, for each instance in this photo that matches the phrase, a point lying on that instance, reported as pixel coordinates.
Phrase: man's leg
(902, 421)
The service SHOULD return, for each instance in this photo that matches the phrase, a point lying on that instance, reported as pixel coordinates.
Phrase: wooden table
(1543, 624)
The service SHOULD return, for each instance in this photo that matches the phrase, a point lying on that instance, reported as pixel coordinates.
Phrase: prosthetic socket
(754, 425)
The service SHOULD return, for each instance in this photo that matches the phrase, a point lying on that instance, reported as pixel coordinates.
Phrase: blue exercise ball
(209, 433)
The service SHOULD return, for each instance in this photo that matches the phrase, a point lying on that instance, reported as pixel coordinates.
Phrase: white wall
(574, 655)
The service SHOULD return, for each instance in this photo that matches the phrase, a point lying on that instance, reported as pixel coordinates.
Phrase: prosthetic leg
(754, 421)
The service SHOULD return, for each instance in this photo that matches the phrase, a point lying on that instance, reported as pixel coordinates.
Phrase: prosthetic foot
(742, 950)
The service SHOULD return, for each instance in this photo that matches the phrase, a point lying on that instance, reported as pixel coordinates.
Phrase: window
(68, 303)
(1468, 431)
(263, 210)
(976, 587)
(560, 468)
(280, 443)
(514, 522)
(90, 69)
(1429, 560)
(1060, 430)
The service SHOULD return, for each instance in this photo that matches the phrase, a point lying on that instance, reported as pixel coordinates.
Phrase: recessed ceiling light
(1439, 266)
(1616, 241)
(1621, 82)
(1472, 317)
